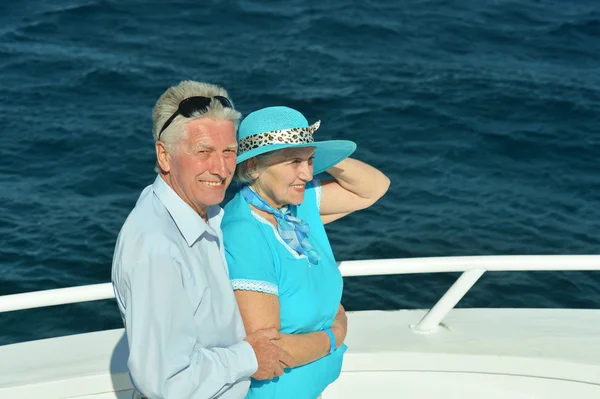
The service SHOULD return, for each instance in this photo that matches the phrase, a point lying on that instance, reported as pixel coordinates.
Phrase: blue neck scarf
(292, 230)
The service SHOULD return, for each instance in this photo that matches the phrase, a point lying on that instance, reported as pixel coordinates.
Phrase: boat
(442, 352)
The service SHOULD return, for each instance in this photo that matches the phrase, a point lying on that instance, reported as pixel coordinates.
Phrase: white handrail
(464, 263)
(479, 264)
(59, 296)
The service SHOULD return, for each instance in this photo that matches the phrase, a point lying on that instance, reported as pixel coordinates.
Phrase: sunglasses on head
(195, 104)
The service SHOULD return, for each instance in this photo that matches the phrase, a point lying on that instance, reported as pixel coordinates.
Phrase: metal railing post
(448, 301)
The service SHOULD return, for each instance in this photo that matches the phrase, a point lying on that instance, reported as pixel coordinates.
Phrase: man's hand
(339, 328)
(271, 359)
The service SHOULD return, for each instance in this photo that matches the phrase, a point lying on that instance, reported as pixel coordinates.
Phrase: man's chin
(214, 197)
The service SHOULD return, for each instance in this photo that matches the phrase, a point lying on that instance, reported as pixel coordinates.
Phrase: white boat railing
(473, 267)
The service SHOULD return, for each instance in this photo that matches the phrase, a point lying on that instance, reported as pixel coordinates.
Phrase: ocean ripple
(483, 115)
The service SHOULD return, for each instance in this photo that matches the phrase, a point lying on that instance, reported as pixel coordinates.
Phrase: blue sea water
(484, 114)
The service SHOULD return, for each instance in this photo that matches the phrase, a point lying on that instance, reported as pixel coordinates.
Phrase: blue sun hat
(275, 128)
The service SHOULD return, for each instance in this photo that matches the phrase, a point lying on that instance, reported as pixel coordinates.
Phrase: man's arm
(160, 327)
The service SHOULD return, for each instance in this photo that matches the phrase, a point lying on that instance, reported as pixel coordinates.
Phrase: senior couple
(245, 301)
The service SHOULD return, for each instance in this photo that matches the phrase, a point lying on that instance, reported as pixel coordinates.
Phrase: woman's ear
(252, 165)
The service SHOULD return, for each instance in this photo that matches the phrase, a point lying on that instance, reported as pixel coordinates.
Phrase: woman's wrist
(332, 340)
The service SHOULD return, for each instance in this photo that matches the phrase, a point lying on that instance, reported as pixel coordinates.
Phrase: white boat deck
(450, 353)
(66, 367)
(481, 353)
(515, 341)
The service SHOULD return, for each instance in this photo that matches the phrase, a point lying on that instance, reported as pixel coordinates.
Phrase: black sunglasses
(194, 104)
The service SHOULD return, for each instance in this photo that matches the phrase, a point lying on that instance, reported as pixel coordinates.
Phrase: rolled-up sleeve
(164, 361)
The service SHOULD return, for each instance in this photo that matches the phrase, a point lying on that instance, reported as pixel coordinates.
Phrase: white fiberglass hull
(481, 353)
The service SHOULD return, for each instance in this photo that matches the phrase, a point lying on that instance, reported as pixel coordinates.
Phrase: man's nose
(219, 166)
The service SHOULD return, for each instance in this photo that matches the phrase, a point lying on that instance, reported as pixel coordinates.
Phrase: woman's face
(283, 180)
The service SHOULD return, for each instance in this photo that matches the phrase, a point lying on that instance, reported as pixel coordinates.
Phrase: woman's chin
(296, 199)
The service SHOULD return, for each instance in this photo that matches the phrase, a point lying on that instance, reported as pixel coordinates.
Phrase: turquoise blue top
(309, 294)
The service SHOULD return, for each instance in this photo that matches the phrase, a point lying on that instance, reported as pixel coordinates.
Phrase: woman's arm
(357, 185)
(260, 310)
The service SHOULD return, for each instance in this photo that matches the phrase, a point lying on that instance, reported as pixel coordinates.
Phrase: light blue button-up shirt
(172, 286)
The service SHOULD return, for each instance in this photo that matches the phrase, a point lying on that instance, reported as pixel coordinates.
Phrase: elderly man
(185, 333)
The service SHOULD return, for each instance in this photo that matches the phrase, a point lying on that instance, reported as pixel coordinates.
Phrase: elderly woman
(280, 261)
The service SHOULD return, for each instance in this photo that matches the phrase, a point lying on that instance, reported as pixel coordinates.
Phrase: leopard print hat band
(297, 135)
(274, 128)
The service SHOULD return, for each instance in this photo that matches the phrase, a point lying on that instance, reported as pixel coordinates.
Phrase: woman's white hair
(168, 103)
(246, 170)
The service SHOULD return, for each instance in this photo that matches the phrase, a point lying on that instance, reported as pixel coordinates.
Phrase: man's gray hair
(244, 171)
(168, 103)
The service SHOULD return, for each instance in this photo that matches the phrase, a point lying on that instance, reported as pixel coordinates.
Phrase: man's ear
(163, 157)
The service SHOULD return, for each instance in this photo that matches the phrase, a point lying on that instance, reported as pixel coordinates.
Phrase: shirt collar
(189, 223)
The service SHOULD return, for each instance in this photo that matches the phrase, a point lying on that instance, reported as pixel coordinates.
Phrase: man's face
(202, 165)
